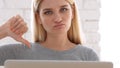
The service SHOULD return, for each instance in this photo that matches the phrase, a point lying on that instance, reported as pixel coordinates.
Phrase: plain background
(110, 31)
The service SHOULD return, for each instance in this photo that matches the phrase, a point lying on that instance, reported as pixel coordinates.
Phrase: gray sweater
(38, 52)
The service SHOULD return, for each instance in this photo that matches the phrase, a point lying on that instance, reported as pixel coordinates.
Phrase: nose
(57, 18)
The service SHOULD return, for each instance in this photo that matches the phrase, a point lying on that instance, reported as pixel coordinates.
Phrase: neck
(58, 42)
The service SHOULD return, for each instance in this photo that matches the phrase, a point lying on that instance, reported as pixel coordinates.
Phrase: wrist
(3, 32)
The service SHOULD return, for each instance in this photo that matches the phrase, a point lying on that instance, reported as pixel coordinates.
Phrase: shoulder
(12, 46)
(18, 46)
(84, 48)
(88, 53)
(13, 51)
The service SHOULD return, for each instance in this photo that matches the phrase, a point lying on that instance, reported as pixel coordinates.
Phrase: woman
(56, 31)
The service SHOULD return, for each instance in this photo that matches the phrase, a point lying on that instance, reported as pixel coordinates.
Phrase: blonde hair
(74, 33)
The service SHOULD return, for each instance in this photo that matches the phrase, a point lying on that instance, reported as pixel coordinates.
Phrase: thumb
(24, 41)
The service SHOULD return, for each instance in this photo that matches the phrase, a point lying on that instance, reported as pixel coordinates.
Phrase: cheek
(68, 18)
(45, 22)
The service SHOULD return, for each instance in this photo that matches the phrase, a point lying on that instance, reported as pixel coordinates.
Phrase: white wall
(89, 12)
(110, 31)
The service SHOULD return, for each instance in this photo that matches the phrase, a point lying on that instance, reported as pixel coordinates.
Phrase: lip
(59, 26)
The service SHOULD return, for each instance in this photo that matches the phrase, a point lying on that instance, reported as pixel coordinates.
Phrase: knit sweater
(39, 52)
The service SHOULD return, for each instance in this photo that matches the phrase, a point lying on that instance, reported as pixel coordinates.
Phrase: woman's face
(55, 16)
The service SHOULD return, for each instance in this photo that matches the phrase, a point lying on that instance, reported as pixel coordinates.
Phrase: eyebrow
(51, 8)
(64, 6)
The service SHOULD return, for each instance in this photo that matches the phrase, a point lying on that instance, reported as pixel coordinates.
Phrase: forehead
(53, 3)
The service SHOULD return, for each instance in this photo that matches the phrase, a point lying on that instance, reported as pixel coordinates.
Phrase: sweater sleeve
(8, 52)
(13, 51)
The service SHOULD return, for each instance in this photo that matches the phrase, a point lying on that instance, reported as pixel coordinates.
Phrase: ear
(38, 18)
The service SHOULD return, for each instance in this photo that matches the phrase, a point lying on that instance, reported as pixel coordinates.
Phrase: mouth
(59, 26)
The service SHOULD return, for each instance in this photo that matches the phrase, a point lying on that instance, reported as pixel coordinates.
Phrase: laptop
(55, 64)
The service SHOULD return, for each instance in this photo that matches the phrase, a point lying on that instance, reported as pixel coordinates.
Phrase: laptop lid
(55, 64)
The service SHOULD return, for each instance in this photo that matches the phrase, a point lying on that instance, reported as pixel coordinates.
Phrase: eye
(48, 12)
(63, 9)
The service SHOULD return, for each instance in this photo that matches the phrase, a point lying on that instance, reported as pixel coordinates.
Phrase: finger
(18, 16)
(24, 41)
(18, 28)
(19, 38)
(13, 20)
(10, 25)
(20, 34)
(16, 24)
(21, 29)
(18, 19)
(24, 28)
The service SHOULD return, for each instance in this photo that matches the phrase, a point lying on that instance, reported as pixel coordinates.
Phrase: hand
(15, 27)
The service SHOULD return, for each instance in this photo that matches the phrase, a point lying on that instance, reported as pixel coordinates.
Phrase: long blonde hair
(74, 33)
